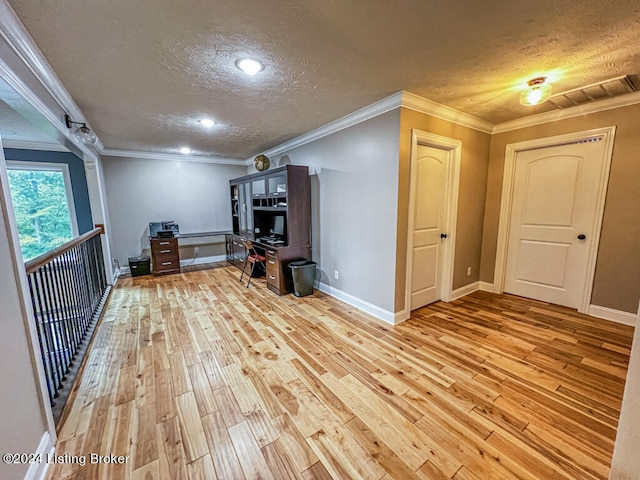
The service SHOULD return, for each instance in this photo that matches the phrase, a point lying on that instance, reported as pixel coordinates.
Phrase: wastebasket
(304, 274)
(139, 266)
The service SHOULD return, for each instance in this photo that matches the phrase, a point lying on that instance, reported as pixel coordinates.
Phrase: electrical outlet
(336, 275)
(469, 272)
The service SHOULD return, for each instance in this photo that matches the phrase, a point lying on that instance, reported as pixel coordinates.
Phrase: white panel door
(552, 220)
(430, 190)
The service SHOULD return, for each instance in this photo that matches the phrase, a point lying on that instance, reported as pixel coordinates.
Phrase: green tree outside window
(41, 209)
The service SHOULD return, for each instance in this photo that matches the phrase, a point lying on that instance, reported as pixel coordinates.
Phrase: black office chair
(253, 257)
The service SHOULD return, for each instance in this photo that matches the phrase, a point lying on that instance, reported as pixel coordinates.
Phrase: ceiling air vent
(597, 91)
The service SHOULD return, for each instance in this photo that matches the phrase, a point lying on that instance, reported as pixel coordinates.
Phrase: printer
(165, 229)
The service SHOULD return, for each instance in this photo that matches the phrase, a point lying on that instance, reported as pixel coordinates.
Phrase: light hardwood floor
(196, 376)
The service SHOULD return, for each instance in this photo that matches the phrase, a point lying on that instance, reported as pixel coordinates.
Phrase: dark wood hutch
(273, 210)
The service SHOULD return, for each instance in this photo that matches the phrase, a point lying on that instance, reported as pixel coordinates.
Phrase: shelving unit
(255, 200)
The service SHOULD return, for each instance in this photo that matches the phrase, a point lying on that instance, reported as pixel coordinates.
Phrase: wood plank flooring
(194, 376)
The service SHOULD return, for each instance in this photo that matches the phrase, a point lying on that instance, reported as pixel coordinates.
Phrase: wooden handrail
(35, 263)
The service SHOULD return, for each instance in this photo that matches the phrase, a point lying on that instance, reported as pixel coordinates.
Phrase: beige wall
(471, 197)
(617, 276)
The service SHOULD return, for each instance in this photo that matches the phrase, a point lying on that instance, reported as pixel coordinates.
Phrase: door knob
(443, 235)
(582, 236)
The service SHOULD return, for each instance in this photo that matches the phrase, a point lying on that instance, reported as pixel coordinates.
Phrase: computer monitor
(277, 226)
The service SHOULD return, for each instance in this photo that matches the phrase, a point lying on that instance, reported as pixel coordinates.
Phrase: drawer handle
(272, 262)
(166, 263)
(164, 243)
(165, 251)
(271, 277)
(271, 251)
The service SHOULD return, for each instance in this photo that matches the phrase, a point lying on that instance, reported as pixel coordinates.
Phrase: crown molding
(422, 105)
(397, 100)
(18, 38)
(169, 157)
(378, 108)
(40, 146)
(577, 111)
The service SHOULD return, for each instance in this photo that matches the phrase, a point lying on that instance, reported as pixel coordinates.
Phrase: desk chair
(253, 257)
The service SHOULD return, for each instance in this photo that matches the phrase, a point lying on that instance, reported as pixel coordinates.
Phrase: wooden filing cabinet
(165, 256)
(277, 261)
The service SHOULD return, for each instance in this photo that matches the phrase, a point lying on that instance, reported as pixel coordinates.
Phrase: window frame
(52, 167)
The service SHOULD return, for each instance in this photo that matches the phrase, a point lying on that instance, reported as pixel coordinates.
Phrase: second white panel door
(552, 218)
(431, 169)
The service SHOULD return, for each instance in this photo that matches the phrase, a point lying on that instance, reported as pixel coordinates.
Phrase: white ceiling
(143, 72)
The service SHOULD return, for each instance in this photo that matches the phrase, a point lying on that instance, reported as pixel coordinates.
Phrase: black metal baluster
(101, 265)
(68, 303)
(64, 310)
(62, 321)
(81, 286)
(47, 364)
(91, 275)
(44, 328)
(48, 324)
(55, 322)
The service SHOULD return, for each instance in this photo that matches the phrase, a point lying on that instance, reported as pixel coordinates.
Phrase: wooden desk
(165, 254)
(277, 260)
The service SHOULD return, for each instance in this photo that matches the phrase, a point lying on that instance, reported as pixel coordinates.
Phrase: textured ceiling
(143, 72)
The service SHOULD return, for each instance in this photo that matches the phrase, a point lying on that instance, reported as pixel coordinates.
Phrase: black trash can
(304, 275)
(139, 266)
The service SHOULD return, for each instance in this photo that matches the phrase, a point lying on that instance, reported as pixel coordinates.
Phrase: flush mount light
(249, 66)
(82, 133)
(206, 122)
(185, 150)
(537, 91)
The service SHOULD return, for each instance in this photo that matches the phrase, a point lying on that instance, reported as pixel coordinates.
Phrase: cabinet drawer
(168, 264)
(165, 251)
(273, 271)
(164, 247)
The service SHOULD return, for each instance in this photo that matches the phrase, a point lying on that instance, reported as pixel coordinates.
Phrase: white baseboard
(38, 471)
(613, 315)
(382, 314)
(199, 261)
(463, 291)
(401, 316)
(486, 287)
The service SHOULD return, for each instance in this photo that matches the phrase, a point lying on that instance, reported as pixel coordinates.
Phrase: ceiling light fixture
(249, 66)
(185, 150)
(537, 91)
(82, 133)
(206, 122)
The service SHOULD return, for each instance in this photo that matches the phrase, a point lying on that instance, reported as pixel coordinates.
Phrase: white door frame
(454, 148)
(606, 135)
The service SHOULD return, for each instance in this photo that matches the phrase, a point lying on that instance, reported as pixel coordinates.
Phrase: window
(42, 204)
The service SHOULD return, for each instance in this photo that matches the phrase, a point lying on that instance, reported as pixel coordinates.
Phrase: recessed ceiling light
(207, 122)
(249, 66)
(185, 150)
